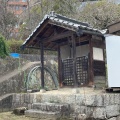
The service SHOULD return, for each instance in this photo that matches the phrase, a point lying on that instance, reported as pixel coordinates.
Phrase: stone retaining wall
(17, 83)
(33, 57)
(98, 107)
(9, 64)
(103, 106)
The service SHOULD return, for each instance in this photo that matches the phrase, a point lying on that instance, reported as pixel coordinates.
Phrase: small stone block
(75, 91)
(42, 91)
(20, 110)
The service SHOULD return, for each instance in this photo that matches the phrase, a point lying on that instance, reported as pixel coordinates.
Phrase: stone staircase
(49, 111)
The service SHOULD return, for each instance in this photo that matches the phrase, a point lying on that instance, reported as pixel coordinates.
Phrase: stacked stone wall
(98, 107)
(94, 107)
(9, 64)
(17, 83)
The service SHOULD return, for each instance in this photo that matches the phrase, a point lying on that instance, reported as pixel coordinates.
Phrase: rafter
(37, 32)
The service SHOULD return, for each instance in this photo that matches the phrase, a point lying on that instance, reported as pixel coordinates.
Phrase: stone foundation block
(112, 110)
(118, 117)
(117, 99)
(89, 100)
(109, 99)
(27, 98)
(114, 118)
(70, 99)
(43, 114)
(81, 117)
(99, 113)
(16, 98)
(80, 109)
(32, 98)
(52, 107)
(99, 100)
(79, 99)
(89, 112)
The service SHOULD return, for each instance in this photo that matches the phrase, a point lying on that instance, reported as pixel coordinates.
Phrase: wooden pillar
(91, 72)
(42, 64)
(104, 55)
(59, 67)
(104, 49)
(74, 60)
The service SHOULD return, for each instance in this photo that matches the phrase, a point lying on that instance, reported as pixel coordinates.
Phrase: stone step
(53, 107)
(43, 114)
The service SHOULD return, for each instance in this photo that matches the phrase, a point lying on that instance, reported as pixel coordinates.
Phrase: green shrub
(3, 47)
(14, 45)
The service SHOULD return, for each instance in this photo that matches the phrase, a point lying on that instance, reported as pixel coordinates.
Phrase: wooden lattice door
(68, 72)
(81, 71)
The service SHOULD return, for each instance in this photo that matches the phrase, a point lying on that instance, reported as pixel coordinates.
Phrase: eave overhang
(67, 27)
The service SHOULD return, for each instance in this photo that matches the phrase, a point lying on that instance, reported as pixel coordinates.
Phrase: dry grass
(10, 116)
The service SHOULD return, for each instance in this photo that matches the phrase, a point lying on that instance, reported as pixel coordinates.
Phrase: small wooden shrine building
(114, 28)
(81, 58)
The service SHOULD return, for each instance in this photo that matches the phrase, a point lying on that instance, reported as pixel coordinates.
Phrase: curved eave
(61, 21)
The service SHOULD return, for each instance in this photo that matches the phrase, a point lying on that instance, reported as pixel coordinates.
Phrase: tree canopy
(100, 14)
(7, 20)
(36, 12)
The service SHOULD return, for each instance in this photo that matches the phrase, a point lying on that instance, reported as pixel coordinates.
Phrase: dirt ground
(80, 90)
(10, 116)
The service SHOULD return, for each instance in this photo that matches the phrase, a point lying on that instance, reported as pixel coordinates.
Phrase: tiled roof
(67, 23)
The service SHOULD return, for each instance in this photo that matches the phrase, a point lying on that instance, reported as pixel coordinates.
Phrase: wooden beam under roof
(83, 38)
(57, 36)
(53, 38)
(37, 39)
(40, 48)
